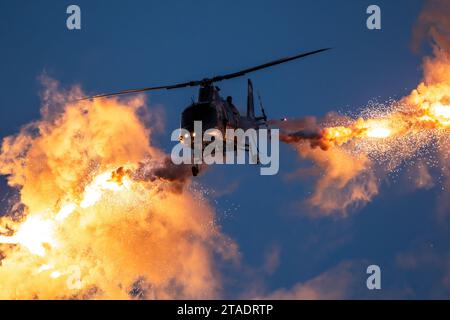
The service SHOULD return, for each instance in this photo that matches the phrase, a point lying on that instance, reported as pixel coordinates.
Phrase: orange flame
(92, 227)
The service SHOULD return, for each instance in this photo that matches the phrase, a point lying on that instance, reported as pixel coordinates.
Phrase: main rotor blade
(208, 80)
(174, 86)
(265, 65)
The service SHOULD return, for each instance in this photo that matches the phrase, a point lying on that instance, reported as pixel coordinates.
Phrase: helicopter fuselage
(215, 113)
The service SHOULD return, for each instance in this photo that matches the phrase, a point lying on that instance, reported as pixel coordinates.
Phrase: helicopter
(213, 111)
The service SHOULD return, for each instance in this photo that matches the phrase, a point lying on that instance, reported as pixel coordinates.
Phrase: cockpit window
(203, 112)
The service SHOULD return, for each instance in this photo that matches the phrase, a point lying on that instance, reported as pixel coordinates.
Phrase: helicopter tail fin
(250, 103)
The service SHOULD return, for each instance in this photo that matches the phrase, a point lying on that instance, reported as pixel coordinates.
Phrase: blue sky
(144, 43)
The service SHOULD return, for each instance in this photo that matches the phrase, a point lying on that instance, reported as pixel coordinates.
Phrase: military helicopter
(210, 108)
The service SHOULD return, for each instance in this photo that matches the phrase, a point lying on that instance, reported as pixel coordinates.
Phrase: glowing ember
(378, 132)
(36, 234)
(102, 183)
(441, 113)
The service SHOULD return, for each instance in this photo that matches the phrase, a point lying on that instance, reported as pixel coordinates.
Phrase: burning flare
(362, 151)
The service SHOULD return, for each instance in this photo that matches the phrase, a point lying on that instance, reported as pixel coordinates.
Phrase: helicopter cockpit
(204, 112)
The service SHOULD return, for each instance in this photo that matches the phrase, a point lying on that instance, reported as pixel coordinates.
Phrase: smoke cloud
(104, 214)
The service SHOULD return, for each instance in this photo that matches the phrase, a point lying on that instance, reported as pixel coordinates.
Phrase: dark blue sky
(144, 43)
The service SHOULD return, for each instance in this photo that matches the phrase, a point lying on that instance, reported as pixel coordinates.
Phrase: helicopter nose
(181, 138)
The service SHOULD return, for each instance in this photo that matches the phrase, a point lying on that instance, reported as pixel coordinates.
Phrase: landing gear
(195, 170)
